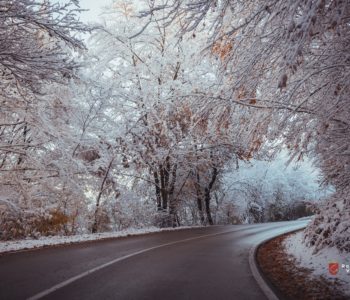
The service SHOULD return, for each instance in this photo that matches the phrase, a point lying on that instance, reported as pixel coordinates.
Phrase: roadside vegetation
(175, 113)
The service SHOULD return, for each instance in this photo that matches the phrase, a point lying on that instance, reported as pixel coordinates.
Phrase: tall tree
(37, 41)
(291, 58)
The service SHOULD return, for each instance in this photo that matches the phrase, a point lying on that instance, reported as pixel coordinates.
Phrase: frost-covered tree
(291, 58)
(37, 41)
(271, 190)
(144, 126)
(165, 134)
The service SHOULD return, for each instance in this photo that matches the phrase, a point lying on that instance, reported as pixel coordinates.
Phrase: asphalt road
(203, 263)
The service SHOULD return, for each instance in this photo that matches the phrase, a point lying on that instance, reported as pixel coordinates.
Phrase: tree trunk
(172, 204)
(98, 200)
(207, 206)
(207, 195)
(158, 195)
(163, 188)
(199, 199)
(166, 171)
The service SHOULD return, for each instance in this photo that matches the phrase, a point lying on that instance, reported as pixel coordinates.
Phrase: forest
(175, 113)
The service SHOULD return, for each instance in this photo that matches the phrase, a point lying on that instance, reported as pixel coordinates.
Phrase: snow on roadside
(9, 246)
(318, 263)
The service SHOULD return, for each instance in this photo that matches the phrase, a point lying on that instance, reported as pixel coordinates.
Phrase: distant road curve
(202, 263)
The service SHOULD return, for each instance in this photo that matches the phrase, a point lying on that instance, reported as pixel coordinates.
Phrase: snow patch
(18, 245)
(318, 263)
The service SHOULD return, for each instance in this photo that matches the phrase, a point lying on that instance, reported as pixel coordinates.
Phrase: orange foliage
(244, 93)
(125, 8)
(222, 48)
(51, 225)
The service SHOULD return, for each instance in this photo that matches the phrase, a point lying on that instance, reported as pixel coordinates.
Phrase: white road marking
(93, 270)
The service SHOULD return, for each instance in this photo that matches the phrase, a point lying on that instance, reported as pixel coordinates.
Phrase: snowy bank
(319, 263)
(17, 245)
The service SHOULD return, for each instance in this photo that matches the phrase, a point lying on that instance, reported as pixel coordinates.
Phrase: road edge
(98, 238)
(257, 274)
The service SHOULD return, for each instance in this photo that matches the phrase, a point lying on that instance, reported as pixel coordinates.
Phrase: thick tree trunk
(199, 199)
(98, 199)
(207, 206)
(172, 204)
(25, 140)
(207, 197)
(158, 193)
(164, 192)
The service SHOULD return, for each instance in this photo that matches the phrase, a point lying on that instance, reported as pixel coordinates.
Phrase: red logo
(333, 268)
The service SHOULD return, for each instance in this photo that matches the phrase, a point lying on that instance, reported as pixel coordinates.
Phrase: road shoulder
(55, 241)
(289, 280)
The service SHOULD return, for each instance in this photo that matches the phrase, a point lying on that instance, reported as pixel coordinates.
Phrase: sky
(94, 9)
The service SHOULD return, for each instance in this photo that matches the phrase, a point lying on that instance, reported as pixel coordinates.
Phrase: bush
(16, 224)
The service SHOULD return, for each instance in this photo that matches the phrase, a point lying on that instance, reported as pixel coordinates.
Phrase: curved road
(202, 263)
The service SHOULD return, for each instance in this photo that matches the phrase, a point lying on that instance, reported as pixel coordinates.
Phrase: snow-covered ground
(60, 240)
(319, 262)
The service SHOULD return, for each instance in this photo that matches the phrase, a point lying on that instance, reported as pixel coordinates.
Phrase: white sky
(94, 7)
